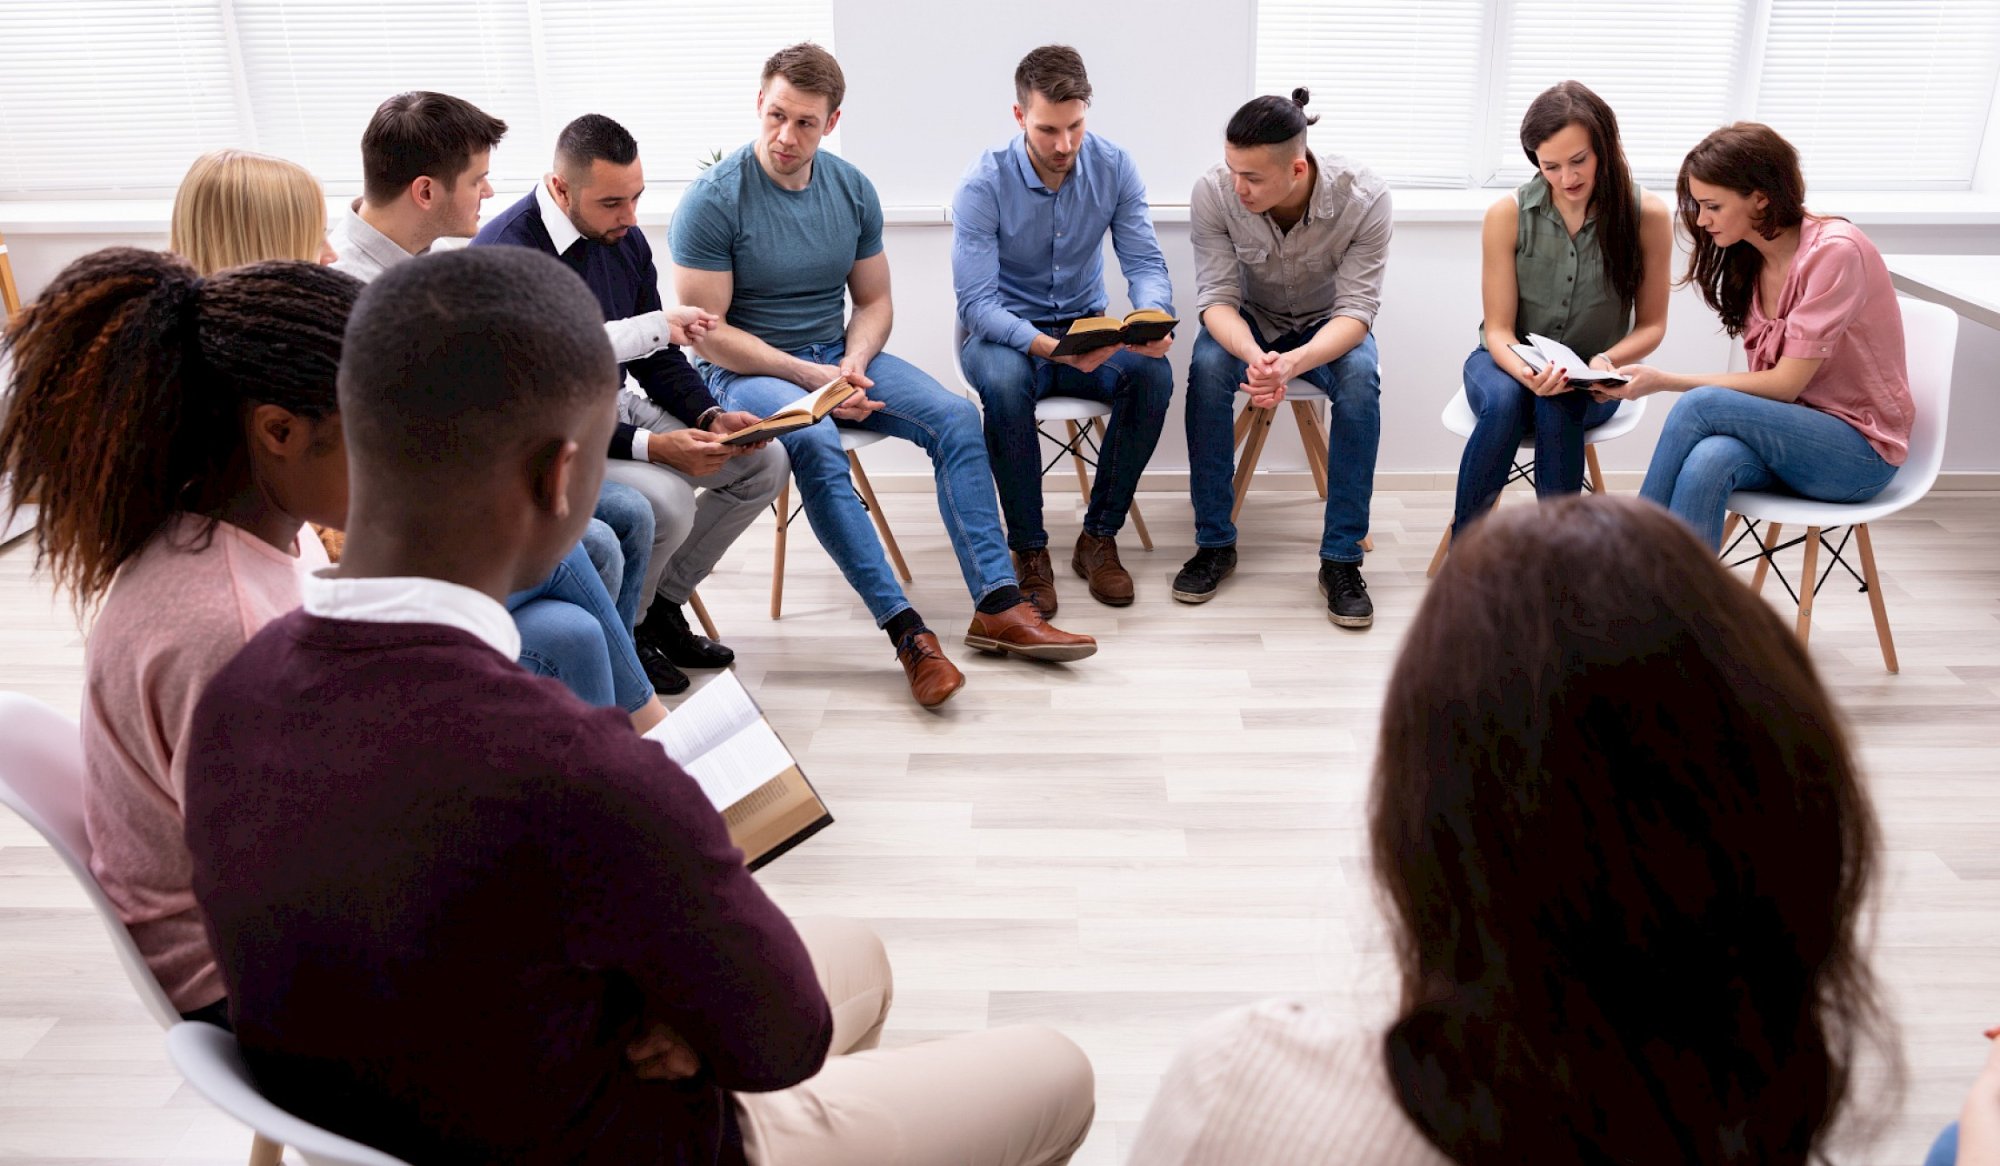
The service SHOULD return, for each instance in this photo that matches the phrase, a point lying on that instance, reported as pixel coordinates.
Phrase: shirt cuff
(1021, 336)
(641, 442)
(637, 337)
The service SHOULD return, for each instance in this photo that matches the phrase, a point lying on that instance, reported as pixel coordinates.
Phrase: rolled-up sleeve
(1217, 279)
(1358, 275)
(1833, 288)
(975, 267)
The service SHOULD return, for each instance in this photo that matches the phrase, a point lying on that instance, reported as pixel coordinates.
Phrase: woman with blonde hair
(237, 207)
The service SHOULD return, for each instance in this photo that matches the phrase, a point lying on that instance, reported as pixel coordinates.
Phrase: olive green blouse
(1562, 290)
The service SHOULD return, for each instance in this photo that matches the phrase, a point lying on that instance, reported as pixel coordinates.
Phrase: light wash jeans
(1009, 381)
(571, 631)
(1944, 1151)
(1507, 411)
(1354, 430)
(619, 541)
(915, 408)
(1718, 440)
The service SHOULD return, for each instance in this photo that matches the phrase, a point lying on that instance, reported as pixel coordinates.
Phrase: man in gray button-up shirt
(1289, 250)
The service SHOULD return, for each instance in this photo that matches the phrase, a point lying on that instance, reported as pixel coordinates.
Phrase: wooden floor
(1123, 846)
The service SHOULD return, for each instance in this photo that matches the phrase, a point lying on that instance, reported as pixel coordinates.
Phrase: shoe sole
(1053, 653)
(1204, 596)
(1346, 621)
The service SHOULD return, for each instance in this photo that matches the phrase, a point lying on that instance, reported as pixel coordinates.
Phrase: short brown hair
(1055, 72)
(422, 134)
(810, 69)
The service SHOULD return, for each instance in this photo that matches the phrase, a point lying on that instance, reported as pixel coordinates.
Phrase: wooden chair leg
(1076, 459)
(1729, 528)
(875, 512)
(265, 1152)
(1243, 420)
(1876, 603)
(1314, 439)
(701, 614)
(1771, 530)
(784, 505)
(1138, 520)
(1444, 548)
(1253, 448)
(1596, 471)
(1806, 588)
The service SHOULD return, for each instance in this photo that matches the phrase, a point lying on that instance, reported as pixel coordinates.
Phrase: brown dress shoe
(1096, 559)
(1038, 579)
(1020, 631)
(932, 677)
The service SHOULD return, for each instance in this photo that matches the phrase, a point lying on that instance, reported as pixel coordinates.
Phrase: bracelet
(707, 415)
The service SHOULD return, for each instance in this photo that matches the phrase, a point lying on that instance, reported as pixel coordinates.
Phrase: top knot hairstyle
(1270, 121)
(149, 367)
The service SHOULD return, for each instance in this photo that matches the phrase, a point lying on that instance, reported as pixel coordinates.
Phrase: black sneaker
(1347, 602)
(667, 679)
(666, 628)
(1199, 576)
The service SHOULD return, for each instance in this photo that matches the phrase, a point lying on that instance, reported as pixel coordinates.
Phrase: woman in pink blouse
(1825, 409)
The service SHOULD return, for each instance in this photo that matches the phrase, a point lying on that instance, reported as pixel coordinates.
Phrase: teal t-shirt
(790, 250)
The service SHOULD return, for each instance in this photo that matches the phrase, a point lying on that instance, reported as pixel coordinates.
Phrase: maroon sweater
(444, 894)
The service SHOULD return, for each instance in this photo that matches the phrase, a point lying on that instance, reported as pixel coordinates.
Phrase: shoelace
(911, 646)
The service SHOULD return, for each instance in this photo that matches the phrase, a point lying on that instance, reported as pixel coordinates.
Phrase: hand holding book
(1145, 326)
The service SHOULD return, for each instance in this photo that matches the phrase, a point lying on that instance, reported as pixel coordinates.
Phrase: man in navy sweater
(668, 442)
(466, 919)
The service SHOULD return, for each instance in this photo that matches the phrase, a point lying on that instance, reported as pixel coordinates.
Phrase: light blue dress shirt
(1022, 252)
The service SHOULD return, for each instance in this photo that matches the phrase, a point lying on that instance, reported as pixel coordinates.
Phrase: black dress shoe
(667, 679)
(666, 628)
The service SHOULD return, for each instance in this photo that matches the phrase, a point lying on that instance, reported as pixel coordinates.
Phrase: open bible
(807, 410)
(1540, 352)
(1094, 332)
(721, 738)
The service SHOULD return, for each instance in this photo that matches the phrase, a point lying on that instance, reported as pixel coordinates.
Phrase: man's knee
(764, 474)
(1003, 377)
(1212, 368)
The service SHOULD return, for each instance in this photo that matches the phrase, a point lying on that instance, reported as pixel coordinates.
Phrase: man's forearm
(740, 352)
(1335, 339)
(1228, 328)
(868, 330)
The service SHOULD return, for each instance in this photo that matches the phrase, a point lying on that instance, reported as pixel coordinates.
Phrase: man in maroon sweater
(464, 917)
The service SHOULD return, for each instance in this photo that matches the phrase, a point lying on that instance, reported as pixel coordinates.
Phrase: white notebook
(1540, 352)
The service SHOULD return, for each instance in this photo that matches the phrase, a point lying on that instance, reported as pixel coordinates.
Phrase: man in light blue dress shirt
(1028, 226)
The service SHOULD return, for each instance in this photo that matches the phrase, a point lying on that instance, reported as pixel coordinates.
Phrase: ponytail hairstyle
(131, 378)
(1571, 103)
(1271, 121)
(1746, 157)
(236, 207)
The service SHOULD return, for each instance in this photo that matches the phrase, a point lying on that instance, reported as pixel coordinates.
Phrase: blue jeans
(1507, 412)
(1354, 430)
(1138, 389)
(915, 408)
(1944, 1151)
(570, 630)
(620, 541)
(1718, 440)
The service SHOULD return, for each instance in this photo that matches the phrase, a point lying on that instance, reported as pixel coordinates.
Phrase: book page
(1575, 368)
(808, 405)
(706, 720)
(734, 768)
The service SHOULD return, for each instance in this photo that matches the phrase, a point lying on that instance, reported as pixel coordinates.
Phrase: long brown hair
(1626, 852)
(1746, 157)
(1571, 102)
(131, 374)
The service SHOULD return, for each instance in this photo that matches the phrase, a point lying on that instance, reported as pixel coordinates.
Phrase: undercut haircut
(1055, 72)
(452, 359)
(591, 138)
(1271, 121)
(422, 134)
(809, 69)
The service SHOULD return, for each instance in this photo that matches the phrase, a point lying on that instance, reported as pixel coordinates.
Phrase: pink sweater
(175, 615)
(1838, 306)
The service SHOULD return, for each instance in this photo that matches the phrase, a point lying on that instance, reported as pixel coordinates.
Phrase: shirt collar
(413, 599)
(361, 234)
(1025, 166)
(562, 232)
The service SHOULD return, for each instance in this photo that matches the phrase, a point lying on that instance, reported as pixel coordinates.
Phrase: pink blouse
(1839, 307)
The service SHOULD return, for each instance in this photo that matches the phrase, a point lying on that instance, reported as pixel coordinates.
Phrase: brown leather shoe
(1020, 631)
(1096, 559)
(932, 677)
(1038, 579)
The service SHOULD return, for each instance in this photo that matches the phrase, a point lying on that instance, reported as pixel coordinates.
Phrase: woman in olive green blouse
(1578, 254)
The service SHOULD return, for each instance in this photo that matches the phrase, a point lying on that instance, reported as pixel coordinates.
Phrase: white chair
(41, 779)
(1083, 426)
(851, 442)
(1459, 419)
(208, 1057)
(1930, 335)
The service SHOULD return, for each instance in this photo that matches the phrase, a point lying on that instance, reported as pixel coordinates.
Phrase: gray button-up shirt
(1329, 264)
(360, 250)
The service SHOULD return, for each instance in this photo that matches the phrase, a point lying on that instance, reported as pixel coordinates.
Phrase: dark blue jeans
(1354, 429)
(1507, 413)
(1009, 381)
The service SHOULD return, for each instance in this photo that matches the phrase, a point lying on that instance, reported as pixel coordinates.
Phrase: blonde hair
(235, 207)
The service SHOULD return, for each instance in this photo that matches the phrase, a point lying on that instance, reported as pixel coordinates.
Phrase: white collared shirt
(413, 599)
(362, 251)
(632, 338)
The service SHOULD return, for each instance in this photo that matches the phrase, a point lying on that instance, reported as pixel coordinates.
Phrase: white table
(1967, 284)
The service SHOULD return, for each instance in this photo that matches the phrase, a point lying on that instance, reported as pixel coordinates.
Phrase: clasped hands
(1265, 378)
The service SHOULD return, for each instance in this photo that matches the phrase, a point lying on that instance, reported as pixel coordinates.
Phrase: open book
(721, 738)
(1540, 352)
(1094, 332)
(807, 410)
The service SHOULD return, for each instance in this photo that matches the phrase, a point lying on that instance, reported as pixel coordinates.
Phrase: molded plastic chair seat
(210, 1060)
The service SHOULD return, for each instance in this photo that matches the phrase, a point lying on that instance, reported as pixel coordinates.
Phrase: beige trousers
(1021, 1096)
